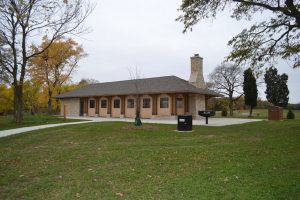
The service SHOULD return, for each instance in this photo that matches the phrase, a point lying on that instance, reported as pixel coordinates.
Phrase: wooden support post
(206, 100)
(172, 102)
(109, 105)
(65, 113)
(175, 99)
(154, 104)
(86, 106)
(186, 103)
(122, 105)
(97, 106)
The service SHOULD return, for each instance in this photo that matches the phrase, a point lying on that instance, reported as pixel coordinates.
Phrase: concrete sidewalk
(211, 122)
(32, 128)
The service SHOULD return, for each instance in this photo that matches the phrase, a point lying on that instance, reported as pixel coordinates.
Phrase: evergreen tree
(250, 89)
(290, 114)
(277, 90)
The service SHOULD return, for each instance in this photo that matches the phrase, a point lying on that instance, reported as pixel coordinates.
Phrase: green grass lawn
(259, 160)
(7, 122)
(257, 114)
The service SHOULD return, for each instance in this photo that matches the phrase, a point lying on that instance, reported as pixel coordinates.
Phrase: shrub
(224, 112)
(290, 115)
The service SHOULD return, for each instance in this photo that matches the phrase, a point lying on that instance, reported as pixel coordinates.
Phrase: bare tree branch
(276, 36)
(227, 79)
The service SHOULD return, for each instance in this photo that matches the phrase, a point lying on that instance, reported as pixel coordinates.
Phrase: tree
(4, 58)
(275, 37)
(4, 77)
(277, 91)
(250, 90)
(21, 24)
(31, 93)
(290, 114)
(227, 80)
(239, 103)
(135, 76)
(6, 99)
(217, 103)
(86, 81)
(55, 65)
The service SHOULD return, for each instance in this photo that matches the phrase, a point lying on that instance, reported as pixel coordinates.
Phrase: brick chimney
(196, 77)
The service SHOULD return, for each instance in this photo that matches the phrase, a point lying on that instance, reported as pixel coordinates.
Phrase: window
(164, 102)
(179, 102)
(117, 103)
(92, 103)
(103, 103)
(146, 103)
(130, 103)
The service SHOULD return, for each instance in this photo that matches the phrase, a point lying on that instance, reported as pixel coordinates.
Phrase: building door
(92, 107)
(81, 104)
(180, 106)
(103, 107)
(116, 109)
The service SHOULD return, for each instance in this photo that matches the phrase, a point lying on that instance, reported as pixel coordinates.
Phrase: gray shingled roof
(165, 84)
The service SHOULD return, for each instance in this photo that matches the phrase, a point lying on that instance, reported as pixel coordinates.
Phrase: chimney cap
(196, 55)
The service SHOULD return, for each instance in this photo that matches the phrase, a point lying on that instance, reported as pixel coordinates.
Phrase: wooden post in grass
(65, 113)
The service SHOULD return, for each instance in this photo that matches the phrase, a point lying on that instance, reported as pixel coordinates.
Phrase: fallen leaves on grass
(119, 194)
(143, 127)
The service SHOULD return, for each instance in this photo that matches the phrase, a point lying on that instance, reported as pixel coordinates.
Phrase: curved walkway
(33, 128)
(211, 122)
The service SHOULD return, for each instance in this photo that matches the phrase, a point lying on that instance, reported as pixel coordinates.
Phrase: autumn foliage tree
(31, 95)
(55, 65)
(86, 81)
(6, 99)
(22, 23)
(275, 36)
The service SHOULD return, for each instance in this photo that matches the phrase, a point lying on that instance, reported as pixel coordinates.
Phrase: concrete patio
(211, 122)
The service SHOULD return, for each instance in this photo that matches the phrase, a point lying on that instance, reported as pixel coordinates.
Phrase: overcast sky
(144, 34)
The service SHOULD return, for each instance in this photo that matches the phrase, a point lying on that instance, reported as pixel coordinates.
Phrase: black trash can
(185, 123)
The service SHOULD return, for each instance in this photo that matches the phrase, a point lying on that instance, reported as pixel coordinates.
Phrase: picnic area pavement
(211, 122)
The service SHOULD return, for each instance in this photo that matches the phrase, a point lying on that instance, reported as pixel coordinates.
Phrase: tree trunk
(57, 103)
(230, 106)
(49, 106)
(250, 112)
(18, 103)
(32, 110)
(49, 102)
(138, 121)
(57, 106)
(138, 108)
